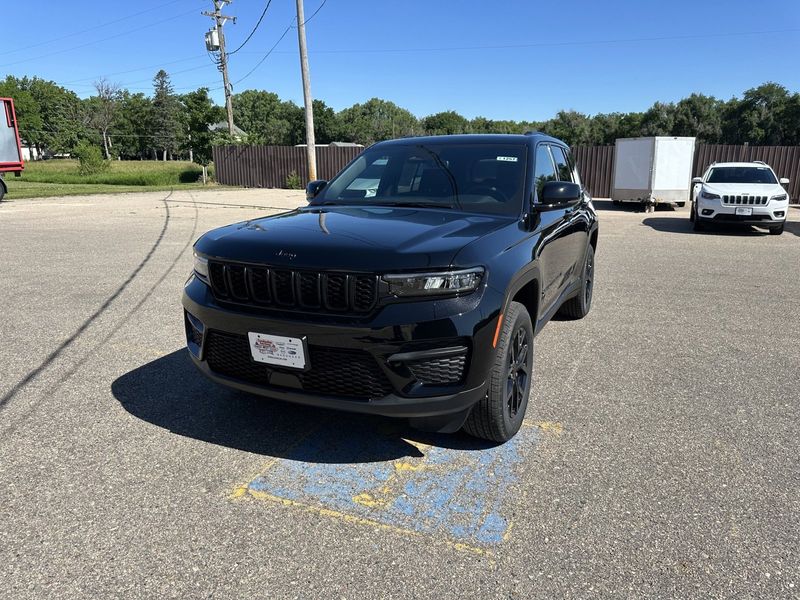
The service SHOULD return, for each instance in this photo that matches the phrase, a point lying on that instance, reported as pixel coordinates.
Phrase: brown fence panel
(596, 168)
(785, 160)
(269, 166)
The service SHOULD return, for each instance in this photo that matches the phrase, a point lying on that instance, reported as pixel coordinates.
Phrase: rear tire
(498, 416)
(579, 306)
(776, 230)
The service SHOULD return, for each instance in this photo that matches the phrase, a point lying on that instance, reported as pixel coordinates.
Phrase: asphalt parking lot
(659, 455)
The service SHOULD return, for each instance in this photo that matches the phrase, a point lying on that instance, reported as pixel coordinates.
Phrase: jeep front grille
(291, 289)
(741, 200)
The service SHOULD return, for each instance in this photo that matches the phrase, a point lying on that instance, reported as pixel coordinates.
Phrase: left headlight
(201, 266)
(428, 284)
(780, 198)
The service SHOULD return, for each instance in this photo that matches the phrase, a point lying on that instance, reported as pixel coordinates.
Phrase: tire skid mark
(33, 374)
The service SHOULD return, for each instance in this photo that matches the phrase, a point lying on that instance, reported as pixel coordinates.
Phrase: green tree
(376, 120)
(327, 128)
(134, 133)
(166, 115)
(445, 123)
(659, 119)
(199, 111)
(699, 116)
(761, 114)
(569, 125)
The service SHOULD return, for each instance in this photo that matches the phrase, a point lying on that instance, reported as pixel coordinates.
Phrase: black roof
(529, 138)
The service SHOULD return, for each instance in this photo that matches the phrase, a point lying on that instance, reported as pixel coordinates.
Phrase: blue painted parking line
(449, 487)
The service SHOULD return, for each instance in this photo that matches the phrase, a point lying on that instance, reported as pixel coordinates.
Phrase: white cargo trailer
(653, 170)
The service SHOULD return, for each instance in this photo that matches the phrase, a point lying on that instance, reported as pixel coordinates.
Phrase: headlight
(425, 284)
(708, 195)
(780, 198)
(201, 266)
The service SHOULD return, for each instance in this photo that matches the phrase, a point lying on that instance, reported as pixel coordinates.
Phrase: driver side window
(544, 170)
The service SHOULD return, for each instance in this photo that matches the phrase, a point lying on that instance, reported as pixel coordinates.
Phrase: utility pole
(311, 149)
(215, 42)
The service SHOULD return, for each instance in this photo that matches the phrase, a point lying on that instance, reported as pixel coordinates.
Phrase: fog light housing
(779, 214)
(707, 211)
(194, 334)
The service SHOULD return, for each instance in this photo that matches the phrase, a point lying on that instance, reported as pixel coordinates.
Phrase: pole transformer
(215, 42)
(311, 149)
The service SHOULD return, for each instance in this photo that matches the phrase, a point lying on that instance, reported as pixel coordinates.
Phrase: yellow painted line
(546, 426)
(390, 490)
(335, 514)
(241, 489)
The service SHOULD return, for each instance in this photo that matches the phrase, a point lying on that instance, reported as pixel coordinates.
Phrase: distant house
(222, 126)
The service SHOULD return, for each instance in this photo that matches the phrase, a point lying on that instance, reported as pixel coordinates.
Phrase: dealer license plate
(277, 350)
(744, 210)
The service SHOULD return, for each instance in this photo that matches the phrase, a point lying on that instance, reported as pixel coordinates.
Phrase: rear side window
(562, 164)
(544, 169)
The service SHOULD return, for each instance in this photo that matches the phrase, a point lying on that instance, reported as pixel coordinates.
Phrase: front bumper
(388, 345)
(768, 215)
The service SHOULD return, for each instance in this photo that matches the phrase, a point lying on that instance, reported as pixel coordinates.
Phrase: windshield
(741, 175)
(482, 178)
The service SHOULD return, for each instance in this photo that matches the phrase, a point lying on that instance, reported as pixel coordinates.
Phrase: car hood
(741, 189)
(376, 239)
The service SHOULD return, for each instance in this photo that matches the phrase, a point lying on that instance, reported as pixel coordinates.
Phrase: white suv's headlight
(201, 266)
(780, 197)
(444, 282)
(709, 196)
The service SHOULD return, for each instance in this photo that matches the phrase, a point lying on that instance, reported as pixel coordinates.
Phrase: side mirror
(784, 181)
(558, 194)
(313, 188)
(697, 180)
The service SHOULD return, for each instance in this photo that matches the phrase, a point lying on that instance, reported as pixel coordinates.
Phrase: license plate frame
(744, 211)
(278, 350)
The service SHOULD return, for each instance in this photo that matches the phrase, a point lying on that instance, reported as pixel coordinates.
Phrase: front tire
(776, 230)
(498, 416)
(698, 223)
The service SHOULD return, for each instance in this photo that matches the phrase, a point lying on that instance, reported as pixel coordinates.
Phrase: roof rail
(535, 133)
(760, 162)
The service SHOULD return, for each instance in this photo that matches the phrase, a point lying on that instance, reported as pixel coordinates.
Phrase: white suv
(744, 193)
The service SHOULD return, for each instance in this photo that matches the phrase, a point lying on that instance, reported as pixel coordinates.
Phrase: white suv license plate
(277, 350)
(744, 210)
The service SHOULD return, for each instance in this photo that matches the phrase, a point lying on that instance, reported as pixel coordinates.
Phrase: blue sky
(502, 59)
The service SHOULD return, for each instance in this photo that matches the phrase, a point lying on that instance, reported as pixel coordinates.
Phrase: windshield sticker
(508, 158)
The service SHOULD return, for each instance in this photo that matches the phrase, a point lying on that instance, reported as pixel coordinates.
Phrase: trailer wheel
(2, 189)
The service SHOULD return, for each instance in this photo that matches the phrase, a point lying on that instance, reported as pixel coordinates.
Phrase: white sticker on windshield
(508, 158)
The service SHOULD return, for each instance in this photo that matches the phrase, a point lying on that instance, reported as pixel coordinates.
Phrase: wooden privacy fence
(596, 167)
(270, 166)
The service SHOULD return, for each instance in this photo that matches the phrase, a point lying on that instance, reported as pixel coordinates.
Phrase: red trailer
(10, 149)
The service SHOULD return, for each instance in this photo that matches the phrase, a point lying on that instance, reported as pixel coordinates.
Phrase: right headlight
(435, 283)
(709, 196)
(201, 266)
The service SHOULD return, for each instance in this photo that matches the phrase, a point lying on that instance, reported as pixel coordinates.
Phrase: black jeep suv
(412, 284)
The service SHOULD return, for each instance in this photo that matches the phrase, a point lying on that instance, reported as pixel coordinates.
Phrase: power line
(259, 63)
(314, 14)
(105, 39)
(266, 8)
(94, 28)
